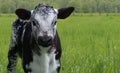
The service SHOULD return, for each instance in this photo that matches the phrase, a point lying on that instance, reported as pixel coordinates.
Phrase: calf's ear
(65, 12)
(23, 14)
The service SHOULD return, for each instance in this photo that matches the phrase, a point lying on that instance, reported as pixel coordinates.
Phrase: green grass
(91, 44)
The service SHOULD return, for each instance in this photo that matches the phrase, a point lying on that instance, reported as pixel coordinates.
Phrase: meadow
(90, 44)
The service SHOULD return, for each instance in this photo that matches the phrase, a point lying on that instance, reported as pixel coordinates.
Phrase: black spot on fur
(58, 69)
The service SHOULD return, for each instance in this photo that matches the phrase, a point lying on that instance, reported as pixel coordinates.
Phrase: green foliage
(86, 6)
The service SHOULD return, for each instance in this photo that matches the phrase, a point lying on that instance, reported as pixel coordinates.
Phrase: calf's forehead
(48, 18)
(44, 13)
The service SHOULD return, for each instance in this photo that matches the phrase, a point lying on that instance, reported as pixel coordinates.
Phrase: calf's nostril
(49, 39)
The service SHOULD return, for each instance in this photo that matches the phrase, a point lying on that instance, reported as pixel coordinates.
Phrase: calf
(35, 39)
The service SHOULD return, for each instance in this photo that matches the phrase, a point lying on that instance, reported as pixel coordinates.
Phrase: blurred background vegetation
(82, 6)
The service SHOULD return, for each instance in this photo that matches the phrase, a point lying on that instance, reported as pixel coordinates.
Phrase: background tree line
(82, 6)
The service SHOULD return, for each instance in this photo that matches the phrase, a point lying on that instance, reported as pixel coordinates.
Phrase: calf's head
(43, 19)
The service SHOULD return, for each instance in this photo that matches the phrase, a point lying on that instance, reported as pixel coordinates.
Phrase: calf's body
(38, 48)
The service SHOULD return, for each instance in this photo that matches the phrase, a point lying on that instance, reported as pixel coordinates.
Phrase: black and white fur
(35, 39)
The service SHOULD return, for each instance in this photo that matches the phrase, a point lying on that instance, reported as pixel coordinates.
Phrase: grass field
(91, 44)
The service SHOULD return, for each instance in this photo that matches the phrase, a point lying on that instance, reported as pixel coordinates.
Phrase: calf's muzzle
(45, 40)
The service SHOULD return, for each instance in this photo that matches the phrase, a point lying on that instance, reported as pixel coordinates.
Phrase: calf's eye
(55, 22)
(34, 23)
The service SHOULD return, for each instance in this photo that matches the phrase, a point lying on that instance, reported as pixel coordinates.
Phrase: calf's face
(44, 18)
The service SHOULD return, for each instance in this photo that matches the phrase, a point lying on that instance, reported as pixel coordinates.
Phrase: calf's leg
(12, 61)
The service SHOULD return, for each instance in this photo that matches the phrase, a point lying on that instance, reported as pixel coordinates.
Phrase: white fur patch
(31, 11)
(45, 23)
(45, 63)
(56, 10)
